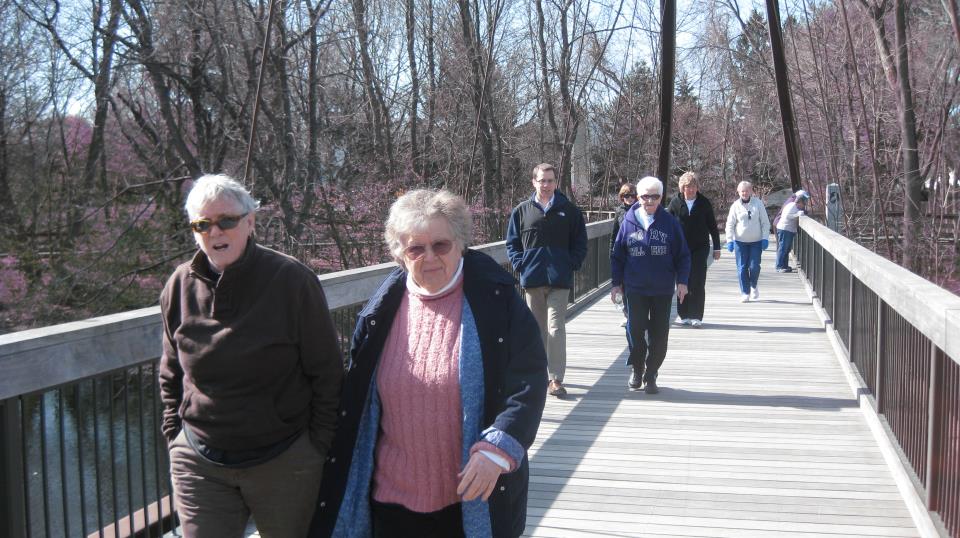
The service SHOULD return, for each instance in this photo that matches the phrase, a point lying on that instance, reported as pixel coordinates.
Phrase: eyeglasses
(226, 222)
(649, 197)
(544, 181)
(439, 248)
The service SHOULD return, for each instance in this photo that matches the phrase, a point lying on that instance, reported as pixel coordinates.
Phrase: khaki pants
(216, 501)
(549, 307)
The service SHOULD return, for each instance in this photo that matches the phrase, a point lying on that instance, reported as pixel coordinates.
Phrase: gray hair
(649, 182)
(210, 187)
(744, 184)
(413, 212)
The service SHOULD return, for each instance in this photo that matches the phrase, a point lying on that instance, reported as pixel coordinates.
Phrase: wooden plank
(754, 432)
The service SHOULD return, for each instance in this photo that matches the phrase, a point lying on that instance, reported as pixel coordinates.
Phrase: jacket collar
(200, 264)
(632, 215)
(478, 269)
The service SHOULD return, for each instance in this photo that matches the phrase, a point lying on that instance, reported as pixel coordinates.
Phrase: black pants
(395, 521)
(648, 327)
(692, 305)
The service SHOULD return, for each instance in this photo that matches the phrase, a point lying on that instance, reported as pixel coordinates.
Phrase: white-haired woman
(444, 392)
(249, 376)
(650, 261)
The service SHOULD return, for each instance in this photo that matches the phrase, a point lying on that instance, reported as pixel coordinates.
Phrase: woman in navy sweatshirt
(649, 260)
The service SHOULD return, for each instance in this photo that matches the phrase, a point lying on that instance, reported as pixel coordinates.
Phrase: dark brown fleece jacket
(249, 359)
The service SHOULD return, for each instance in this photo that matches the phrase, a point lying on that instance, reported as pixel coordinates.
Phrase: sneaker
(785, 270)
(754, 293)
(556, 389)
(636, 379)
(744, 298)
(651, 387)
(696, 323)
(623, 323)
(681, 321)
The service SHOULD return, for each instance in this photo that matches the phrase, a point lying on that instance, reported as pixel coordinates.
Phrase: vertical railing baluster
(126, 449)
(96, 457)
(143, 454)
(44, 474)
(113, 462)
(14, 512)
(850, 313)
(881, 349)
(78, 402)
(157, 437)
(934, 410)
(64, 494)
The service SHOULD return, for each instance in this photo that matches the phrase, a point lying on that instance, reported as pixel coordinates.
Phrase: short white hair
(648, 183)
(210, 187)
(413, 212)
(744, 184)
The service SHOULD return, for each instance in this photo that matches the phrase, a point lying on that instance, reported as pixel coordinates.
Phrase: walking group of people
(425, 431)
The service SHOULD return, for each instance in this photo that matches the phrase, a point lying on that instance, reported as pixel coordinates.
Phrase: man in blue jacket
(546, 243)
(649, 259)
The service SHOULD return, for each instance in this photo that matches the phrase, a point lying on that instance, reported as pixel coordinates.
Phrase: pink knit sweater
(419, 448)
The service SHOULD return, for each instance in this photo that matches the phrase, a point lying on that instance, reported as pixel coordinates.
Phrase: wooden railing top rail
(38, 359)
(932, 310)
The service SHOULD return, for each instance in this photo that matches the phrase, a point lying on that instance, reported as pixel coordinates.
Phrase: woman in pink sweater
(444, 391)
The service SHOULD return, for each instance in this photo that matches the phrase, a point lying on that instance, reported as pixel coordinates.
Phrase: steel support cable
(256, 98)
(783, 92)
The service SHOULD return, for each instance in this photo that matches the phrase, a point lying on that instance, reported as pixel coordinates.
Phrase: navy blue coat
(514, 379)
(546, 248)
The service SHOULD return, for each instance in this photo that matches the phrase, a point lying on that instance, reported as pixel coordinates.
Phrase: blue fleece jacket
(546, 247)
(652, 261)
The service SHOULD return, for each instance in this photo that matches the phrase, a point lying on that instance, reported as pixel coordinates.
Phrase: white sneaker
(696, 323)
(754, 293)
(681, 321)
(623, 323)
(744, 298)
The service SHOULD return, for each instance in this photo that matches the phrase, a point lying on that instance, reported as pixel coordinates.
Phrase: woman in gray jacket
(748, 227)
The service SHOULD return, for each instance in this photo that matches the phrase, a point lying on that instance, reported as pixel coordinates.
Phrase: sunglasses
(649, 197)
(629, 195)
(227, 222)
(439, 248)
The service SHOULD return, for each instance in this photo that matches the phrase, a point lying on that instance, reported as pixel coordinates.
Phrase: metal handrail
(902, 334)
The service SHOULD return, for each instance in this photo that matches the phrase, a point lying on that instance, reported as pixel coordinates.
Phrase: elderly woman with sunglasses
(650, 262)
(249, 376)
(444, 393)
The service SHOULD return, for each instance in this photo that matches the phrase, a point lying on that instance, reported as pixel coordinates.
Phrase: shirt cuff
(505, 442)
(498, 459)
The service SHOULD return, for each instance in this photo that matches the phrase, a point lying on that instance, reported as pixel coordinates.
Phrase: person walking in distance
(787, 228)
(546, 242)
(627, 197)
(649, 262)
(695, 213)
(747, 229)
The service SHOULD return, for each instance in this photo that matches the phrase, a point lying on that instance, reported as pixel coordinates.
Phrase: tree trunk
(9, 216)
(908, 147)
(414, 88)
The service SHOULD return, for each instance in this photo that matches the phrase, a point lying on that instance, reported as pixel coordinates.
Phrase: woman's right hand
(614, 291)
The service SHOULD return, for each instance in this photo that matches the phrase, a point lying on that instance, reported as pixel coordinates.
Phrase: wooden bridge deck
(754, 432)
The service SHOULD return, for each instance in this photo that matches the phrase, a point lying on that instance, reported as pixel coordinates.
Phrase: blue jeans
(748, 264)
(784, 244)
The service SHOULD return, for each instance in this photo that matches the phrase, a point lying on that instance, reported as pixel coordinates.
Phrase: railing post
(933, 428)
(881, 352)
(12, 523)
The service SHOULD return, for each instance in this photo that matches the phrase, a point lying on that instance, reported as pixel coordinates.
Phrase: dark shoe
(651, 387)
(636, 379)
(556, 389)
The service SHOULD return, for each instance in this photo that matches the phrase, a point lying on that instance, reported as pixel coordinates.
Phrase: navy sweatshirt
(650, 262)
